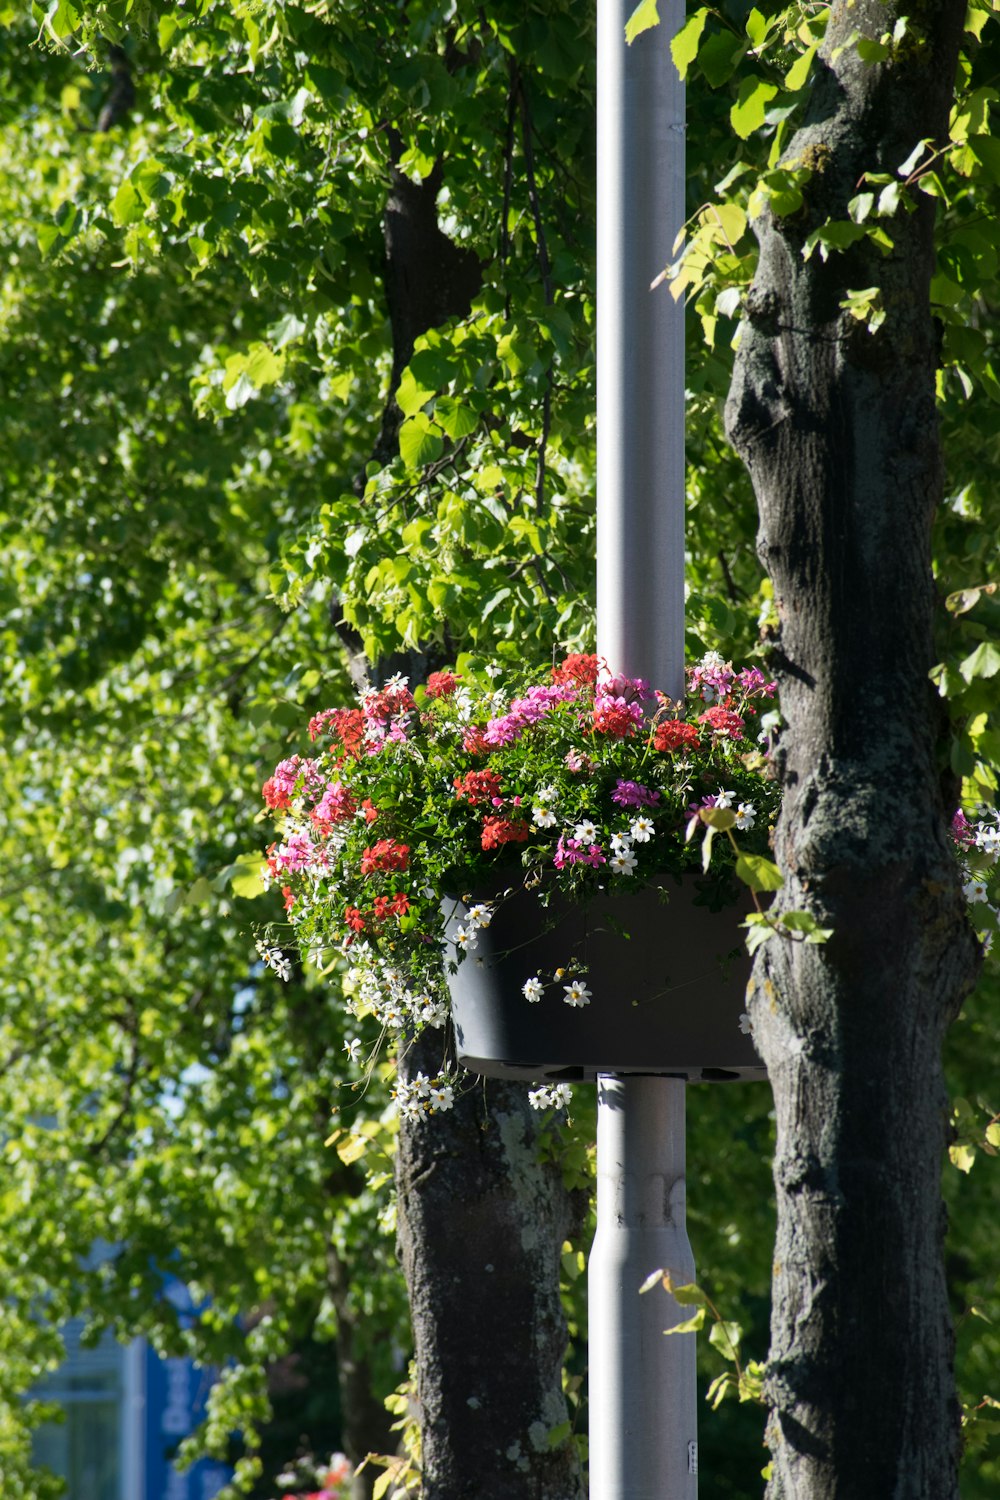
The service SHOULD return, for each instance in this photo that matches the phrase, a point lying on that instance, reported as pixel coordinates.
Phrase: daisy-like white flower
(465, 940)
(354, 1049)
(746, 815)
(479, 915)
(642, 829)
(745, 1026)
(546, 794)
(576, 993)
(585, 832)
(543, 817)
(620, 843)
(533, 989)
(974, 890)
(725, 799)
(988, 840)
(554, 1096)
(442, 1097)
(623, 862)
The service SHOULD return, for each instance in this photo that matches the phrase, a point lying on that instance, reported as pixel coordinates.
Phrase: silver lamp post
(643, 1433)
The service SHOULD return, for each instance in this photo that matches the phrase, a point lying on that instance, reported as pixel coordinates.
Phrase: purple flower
(634, 794)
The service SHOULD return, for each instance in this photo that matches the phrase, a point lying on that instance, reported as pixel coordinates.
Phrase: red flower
(381, 908)
(477, 786)
(400, 903)
(369, 809)
(674, 734)
(577, 667)
(347, 725)
(289, 896)
(441, 684)
(275, 795)
(497, 831)
(386, 854)
(355, 919)
(724, 722)
(614, 717)
(474, 741)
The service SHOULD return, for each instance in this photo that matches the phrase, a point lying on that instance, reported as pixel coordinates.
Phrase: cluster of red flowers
(474, 740)
(724, 722)
(441, 684)
(674, 734)
(346, 725)
(477, 786)
(497, 831)
(383, 907)
(577, 667)
(614, 717)
(385, 854)
(385, 703)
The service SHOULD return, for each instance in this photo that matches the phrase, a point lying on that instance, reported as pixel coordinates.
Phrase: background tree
(213, 292)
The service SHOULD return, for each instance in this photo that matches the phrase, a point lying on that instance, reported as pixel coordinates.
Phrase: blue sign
(176, 1396)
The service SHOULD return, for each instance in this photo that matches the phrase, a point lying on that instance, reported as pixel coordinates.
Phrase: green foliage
(196, 359)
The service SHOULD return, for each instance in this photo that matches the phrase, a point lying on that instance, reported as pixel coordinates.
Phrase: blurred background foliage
(216, 471)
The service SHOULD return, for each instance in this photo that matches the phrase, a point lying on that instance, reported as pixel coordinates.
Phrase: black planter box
(667, 999)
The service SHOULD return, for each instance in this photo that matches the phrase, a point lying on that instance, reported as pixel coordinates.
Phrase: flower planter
(667, 999)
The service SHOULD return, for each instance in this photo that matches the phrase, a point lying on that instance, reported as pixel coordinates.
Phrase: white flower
(585, 832)
(441, 1097)
(557, 1096)
(533, 989)
(988, 840)
(746, 815)
(725, 799)
(745, 1025)
(642, 829)
(623, 862)
(479, 915)
(543, 817)
(974, 890)
(577, 993)
(354, 1049)
(465, 940)
(493, 670)
(547, 794)
(621, 843)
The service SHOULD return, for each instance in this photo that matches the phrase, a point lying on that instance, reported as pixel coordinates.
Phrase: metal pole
(640, 350)
(643, 1443)
(643, 1433)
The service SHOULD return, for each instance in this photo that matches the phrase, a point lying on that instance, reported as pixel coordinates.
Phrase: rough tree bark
(837, 426)
(482, 1220)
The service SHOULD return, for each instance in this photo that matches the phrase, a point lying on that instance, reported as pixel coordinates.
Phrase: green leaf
(720, 818)
(420, 442)
(240, 392)
(725, 1336)
(684, 47)
(457, 420)
(286, 331)
(246, 876)
(747, 114)
(642, 18)
(799, 71)
(688, 1294)
(126, 205)
(758, 873)
(689, 1325)
(963, 1157)
(983, 662)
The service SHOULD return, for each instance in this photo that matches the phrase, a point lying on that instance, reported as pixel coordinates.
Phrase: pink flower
(295, 854)
(634, 794)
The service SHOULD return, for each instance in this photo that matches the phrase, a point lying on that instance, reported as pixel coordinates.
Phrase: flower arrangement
(586, 780)
(309, 1480)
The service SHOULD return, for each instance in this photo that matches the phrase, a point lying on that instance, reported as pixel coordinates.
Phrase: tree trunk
(838, 428)
(482, 1220)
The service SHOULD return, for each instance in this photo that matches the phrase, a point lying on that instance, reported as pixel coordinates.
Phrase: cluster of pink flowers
(524, 712)
(570, 851)
(634, 794)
